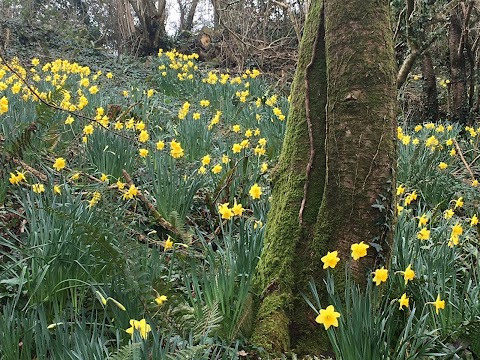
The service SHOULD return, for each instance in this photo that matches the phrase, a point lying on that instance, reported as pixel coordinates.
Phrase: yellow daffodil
(131, 192)
(423, 234)
(176, 150)
(408, 274)
(143, 136)
(38, 188)
(17, 179)
(206, 160)
(459, 202)
(457, 230)
(399, 209)
(217, 169)
(448, 214)
(410, 197)
(404, 301)
(330, 260)
(88, 130)
(236, 148)
(474, 220)
(422, 220)
(432, 142)
(160, 300)
(381, 275)
(406, 139)
(359, 250)
(120, 184)
(328, 317)
(225, 211)
(168, 244)
(439, 304)
(237, 208)
(264, 167)
(141, 326)
(255, 191)
(93, 89)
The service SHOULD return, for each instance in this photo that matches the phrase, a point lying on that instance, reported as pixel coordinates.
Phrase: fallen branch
(59, 108)
(184, 237)
(463, 159)
(27, 167)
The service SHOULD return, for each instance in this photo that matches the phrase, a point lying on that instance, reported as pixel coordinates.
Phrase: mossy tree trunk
(336, 162)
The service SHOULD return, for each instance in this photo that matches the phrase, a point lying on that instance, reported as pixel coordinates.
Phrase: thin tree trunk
(217, 5)
(181, 7)
(191, 14)
(152, 19)
(430, 104)
(457, 67)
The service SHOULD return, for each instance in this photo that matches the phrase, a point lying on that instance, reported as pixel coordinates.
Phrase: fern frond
(127, 352)
(192, 352)
(201, 322)
(208, 323)
(22, 142)
(176, 220)
(245, 323)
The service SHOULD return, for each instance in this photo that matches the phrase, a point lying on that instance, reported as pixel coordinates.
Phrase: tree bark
(152, 19)
(457, 67)
(286, 240)
(217, 5)
(430, 103)
(337, 161)
(360, 131)
(191, 14)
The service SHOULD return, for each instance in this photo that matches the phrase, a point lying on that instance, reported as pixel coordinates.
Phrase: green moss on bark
(360, 130)
(352, 167)
(286, 241)
(272, 324)
(360, 133)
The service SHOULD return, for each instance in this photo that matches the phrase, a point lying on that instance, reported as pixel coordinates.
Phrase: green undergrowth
(423, 302)
(133, 214)
(132, 217)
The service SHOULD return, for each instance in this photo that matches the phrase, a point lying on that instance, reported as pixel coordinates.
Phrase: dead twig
(463, 159)
(53, 106)
(184, 237)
